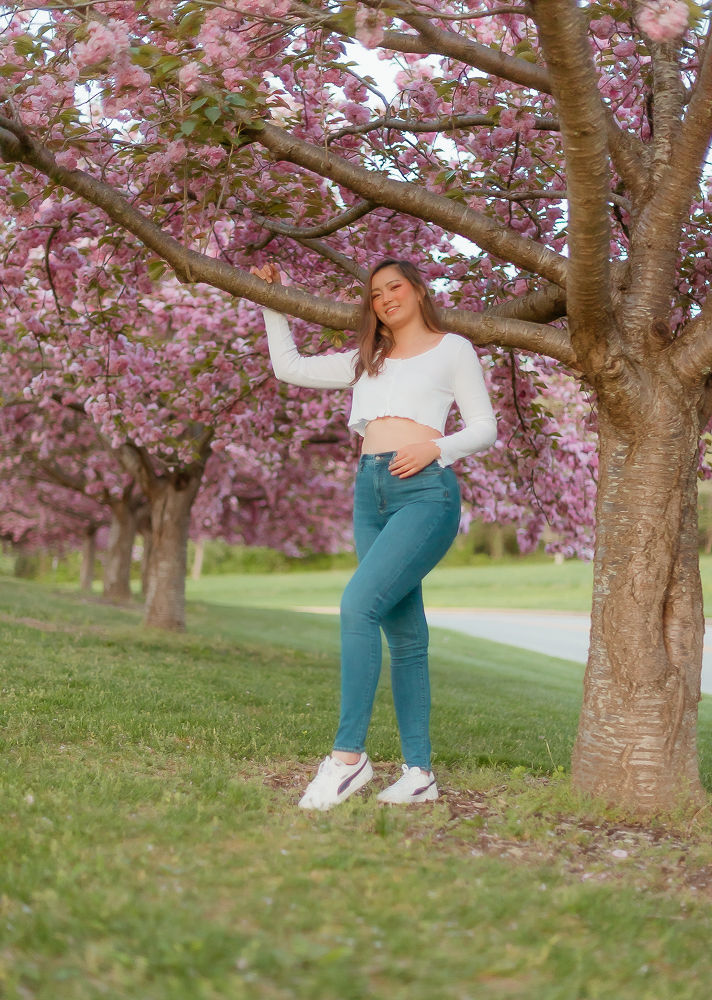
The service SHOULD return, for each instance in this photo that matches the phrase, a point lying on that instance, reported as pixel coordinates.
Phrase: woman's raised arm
(334, 370)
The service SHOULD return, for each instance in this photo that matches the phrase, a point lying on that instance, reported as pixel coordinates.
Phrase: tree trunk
(171, 502)
(117, 561)
(636, 742)
(197, 567)
(495, 541)
(86, 571)
(143, 526)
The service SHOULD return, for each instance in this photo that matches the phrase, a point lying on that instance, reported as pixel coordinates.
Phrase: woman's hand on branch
(412, 458)
(268, 272)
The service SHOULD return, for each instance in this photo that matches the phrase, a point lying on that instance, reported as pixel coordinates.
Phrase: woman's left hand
(412, 458)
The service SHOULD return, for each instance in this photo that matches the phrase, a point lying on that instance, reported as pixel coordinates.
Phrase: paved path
(556, 634)
(550, 632)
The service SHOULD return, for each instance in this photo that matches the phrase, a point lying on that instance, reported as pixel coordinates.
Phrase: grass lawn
(521, 583)
(151, 847)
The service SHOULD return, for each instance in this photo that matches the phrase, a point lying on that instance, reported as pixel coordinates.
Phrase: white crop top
(422, 388)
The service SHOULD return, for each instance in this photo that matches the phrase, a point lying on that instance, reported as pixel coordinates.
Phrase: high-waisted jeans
(402, 529)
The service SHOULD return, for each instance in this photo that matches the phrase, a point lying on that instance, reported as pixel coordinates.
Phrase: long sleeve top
(422, 388)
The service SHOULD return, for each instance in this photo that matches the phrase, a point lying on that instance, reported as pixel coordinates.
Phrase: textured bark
(117, 559)
(668, 106)
(197, 567)
(88, 564)
(588, 177)
(636, 742)
(144, 528)
(171, 501)
(655, 249)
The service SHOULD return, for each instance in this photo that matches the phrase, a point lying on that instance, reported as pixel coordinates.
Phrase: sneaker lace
(326, 765)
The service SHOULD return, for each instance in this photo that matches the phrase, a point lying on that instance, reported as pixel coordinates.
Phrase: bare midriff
(392, 433)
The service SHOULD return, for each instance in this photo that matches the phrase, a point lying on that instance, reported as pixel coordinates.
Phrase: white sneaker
(415, 785)
(335, 781)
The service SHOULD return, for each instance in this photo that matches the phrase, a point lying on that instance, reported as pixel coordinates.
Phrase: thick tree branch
(628, 155)
(543, 195)
(321, 228)
(668, 104)
(438, 41)
(136, 462)
(202, 444)
(472, 16)
(691, 353)
(60, 477)
(704, 409)
(189, 265)
(449, 123)
(484, 329)
(543, 306)
(626, 151)
(10, 145)
(92, 524)
(347, 264)
(654, 253)
(378, 187)
(565, 45)
(192, 266)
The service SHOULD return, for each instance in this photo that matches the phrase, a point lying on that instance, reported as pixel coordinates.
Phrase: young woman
(405, 374)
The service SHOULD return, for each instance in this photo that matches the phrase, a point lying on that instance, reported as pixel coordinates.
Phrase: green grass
(151, 847)
(491, 585)
(510, 583)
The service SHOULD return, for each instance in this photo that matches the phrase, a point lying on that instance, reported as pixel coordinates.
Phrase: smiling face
(395, 300)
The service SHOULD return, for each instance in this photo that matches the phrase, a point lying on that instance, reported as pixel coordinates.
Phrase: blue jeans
(402, 529)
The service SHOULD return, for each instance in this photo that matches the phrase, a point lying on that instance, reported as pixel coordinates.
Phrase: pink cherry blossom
(663, 20)
(370, 27)
(104, 43)
(189, 76)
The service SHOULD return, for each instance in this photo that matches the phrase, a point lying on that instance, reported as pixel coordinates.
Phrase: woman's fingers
(268, 272)
(404, 466)
(411, 459)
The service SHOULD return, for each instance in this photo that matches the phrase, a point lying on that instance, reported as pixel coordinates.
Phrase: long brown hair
(375, 341)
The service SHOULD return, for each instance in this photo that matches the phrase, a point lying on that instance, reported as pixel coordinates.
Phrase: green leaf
(345, 20)
(24, 45)
(237, 100)
(145, 56)
(189, 125)
(70, 116)
(10, 68)
(191, 24)
(212, 114)
(198, 103)
(445, 88)
(166, 66)
(156, 269)
(19, 198)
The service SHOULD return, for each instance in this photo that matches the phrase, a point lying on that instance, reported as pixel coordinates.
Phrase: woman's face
(395, 301)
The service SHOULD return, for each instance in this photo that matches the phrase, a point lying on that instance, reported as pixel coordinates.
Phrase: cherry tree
(119, 393)
(60, 484)
(544, 162)
(44, 504)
